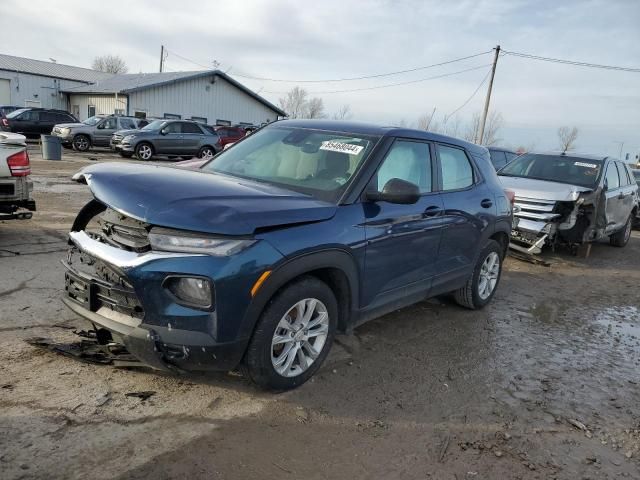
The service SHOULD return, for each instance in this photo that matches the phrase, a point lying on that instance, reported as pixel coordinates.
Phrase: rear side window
(613, 180)
(175, 127)
(49, 117)
(409, 161)
(498, 159)
(127, 123)
(457, 171)
(190, 128)
(510, 156)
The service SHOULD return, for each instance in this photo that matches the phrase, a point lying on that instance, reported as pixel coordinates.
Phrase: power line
(362, 77)
(187, 59)
(572, 62)
(391, 84)
(469, 99)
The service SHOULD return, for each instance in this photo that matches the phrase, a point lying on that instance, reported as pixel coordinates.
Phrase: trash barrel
(51, 147)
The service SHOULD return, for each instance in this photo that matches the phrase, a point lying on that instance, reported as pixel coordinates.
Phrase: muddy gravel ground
(543, 383)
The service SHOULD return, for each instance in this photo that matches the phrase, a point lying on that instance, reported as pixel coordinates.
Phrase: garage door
(5, 91)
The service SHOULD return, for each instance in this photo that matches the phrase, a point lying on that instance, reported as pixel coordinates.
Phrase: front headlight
(128, 138)
(191, 291)
(174, 241)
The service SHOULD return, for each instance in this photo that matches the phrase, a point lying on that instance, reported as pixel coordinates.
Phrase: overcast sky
(337, 39)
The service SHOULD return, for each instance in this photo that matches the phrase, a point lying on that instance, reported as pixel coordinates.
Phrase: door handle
(432, 211)
(486, 203)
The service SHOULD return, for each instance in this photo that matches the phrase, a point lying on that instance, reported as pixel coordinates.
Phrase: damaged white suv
(570, 199)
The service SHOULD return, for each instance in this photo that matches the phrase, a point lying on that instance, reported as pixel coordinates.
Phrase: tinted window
(30, 116)
(64, 117)
(49, 117)
(613, 181)
(190, 128)
(555, 168)
(209, 129)
(510, 156)
(456, 169)
(410, 161)
(16, 113)
(127, 123)
(174, 127)
(498, 159)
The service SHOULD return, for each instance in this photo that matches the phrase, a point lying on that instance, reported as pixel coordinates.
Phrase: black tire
(469, 295)
(141, 151)
(126, 154)
(257, 364)
(621, 237)
(203, 151)
(81, 143)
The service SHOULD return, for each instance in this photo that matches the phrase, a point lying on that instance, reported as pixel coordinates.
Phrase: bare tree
(315, 108)
(425, 121)
(494, 123)
(567, 137)
(344, 113)
(109, 64)
(294, 104)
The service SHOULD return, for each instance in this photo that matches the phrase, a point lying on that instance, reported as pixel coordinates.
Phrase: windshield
(92, 120)
(315, 162)
(155, 125)
(555, 168)
(15, 113)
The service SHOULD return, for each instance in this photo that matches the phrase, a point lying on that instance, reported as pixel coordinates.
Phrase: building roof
(133, 82)
(50, 69)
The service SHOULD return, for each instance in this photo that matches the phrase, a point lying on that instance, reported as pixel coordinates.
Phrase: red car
(229, 134)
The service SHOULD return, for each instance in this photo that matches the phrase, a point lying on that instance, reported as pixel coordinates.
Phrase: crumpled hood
(124, 133)
(543, 190)
(70, 125)
(199, 201)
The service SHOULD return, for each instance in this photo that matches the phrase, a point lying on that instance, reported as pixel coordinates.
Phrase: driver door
(613, 198)
(170, 139)
(402, 240)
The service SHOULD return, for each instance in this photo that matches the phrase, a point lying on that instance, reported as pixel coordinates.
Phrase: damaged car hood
(542, 189)
(199, 201)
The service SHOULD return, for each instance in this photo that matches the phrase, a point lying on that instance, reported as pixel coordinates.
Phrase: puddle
(621, 321)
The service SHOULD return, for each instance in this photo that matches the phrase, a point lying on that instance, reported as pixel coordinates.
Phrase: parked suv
(32, 122)
(6, 109)
(230, 134)
(570, 199)
(304, 229)
(93, 132)
(15, 186)
(175, 138)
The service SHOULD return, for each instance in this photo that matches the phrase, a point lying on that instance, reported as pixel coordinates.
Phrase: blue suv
(259, 256)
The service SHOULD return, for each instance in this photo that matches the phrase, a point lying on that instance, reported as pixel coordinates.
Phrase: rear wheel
(293, 336)
(206, 153)
(81, 143)
(483, 282)
(621, 237)
(144, 151)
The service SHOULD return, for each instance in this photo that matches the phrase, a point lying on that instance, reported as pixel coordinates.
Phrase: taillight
(5, 122)
(19, 164)
(511, 195)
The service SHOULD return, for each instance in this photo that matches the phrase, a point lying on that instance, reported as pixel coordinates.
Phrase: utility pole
(162, 58)
(488, 99)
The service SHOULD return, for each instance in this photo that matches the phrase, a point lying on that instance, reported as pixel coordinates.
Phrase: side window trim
(615, 169)
(477, 177)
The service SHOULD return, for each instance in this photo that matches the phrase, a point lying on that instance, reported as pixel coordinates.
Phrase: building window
(226, 123)
(118, 111)
(172, 116)
(140, 114)
(91, 110)
(199, 119)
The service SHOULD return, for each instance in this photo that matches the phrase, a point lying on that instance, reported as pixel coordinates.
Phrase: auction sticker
(333, 146)
(588, 165)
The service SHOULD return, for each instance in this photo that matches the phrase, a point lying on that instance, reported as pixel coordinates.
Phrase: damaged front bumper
(172, 337)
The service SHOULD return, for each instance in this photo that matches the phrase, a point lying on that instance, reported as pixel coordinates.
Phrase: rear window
(583, 172)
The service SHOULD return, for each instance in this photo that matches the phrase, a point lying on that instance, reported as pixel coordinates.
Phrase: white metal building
(32, 83)
(211, 97)
(207, 96)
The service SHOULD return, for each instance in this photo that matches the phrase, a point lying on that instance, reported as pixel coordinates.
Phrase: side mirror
(396, 191)
(164, 131)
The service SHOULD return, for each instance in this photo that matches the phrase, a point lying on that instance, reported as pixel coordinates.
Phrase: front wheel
(483, 282)
(293, 336)
(81, 143)
(621, 237)
(144, 151)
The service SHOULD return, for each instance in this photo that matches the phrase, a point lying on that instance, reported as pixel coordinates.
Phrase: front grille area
(536, 209)
(95, 284)
(124, 232)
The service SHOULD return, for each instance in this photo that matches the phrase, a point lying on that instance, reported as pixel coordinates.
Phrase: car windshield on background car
(315, 162)
(92, 120)
(555, 168)
(155, 125)
(15, 113)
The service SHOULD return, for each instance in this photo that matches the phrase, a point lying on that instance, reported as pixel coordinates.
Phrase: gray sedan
(174, 138)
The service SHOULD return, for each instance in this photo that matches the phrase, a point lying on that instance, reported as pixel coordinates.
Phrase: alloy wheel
(206, 154)
(81, 143)
(299, 337)
(145, 152)
(488, 278)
